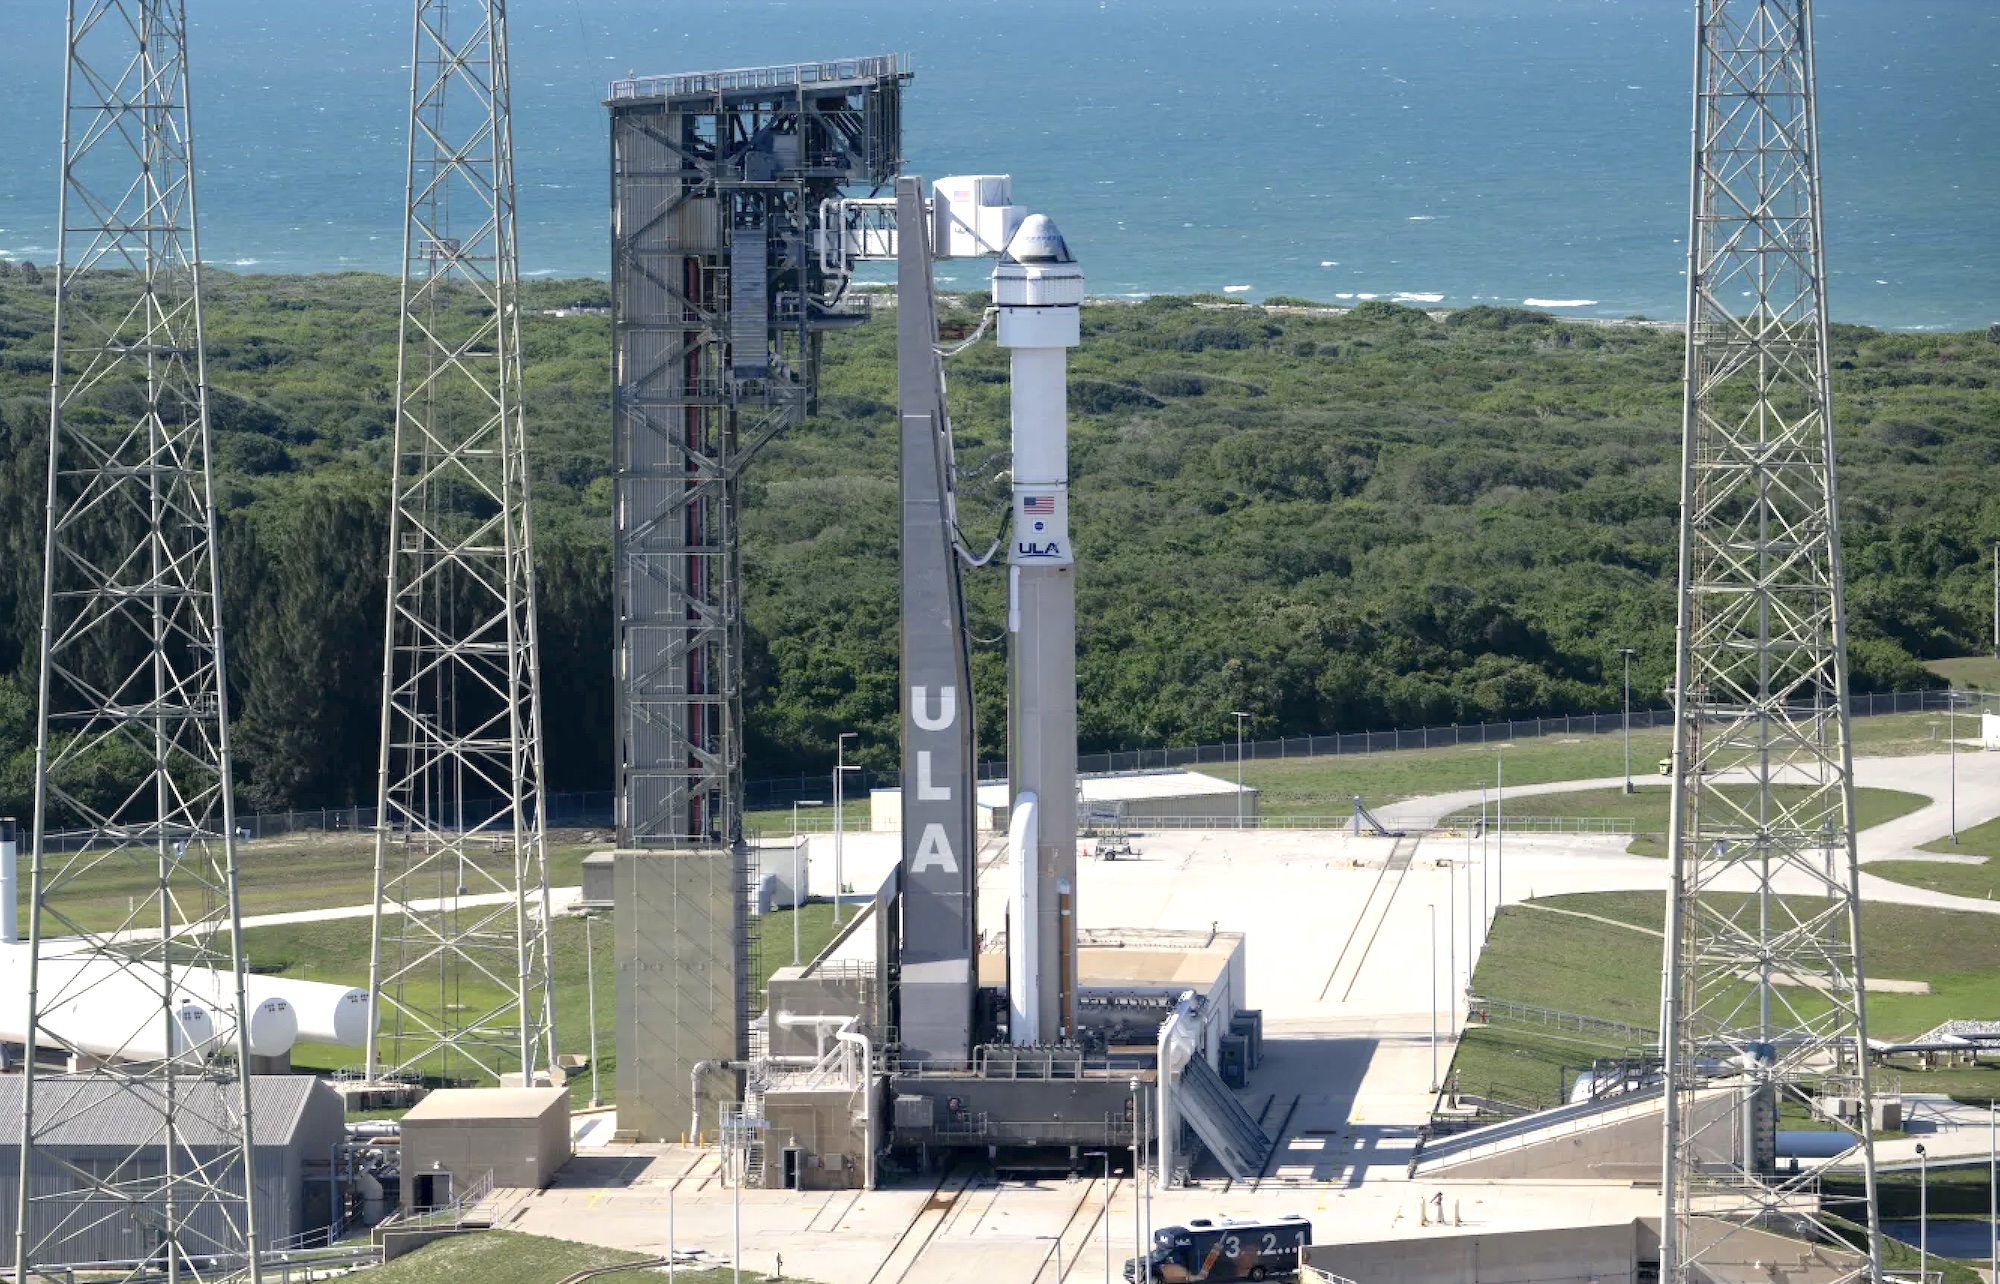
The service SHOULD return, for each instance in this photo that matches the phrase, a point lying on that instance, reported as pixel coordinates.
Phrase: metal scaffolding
(1762, 1001)
(461, 971)
(719, 302)
(133, 877)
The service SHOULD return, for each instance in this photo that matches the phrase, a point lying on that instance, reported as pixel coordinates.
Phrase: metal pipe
(820, 1025)
(694, 1092)
(867, 1100)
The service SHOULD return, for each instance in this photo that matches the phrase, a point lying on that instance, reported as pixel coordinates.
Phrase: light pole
(799, 893)
(1996, 601)
(1627, 653)
(590, 983)
(1432, 907)
(1485, 869)
(1993, 1181)
(1923, 1212)
(1951, 736)
(1451, 950)
(1240, 716)
(1057, 1239)
(1140, 1271)
(840, 770)
(1500, 829)
(1105, 1155)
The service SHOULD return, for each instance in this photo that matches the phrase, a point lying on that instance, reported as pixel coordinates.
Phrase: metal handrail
(781, 76)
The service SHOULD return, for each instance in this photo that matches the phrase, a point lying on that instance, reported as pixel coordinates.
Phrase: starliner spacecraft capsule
(1038, 290)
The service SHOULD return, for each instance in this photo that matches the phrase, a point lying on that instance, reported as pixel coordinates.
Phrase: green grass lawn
(337, 952)
(1595, 969)
(1981, 881)
(274, 876)
(1968, 673)
(1326, 785)
(508, 1257)
(1647, 809)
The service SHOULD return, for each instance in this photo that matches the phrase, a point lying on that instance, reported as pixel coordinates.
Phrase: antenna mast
(1762, 1005)
(461, 968)
(133, 852)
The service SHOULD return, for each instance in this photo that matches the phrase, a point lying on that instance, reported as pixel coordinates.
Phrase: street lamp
(1951, 735)
(840, 770)
(1451, 948)
(1923, 1212)
(1105, 1155)
(590, 984)
(798, 893)
(1057, 1239)
(1485, 870)
(1240, 717)
(1432, 907)
(1627, 653)
(1499, 829)
(1141, 1268)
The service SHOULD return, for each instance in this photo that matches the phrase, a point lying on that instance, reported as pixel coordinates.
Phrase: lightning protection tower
(461, 967)
(133, 905)
(1762, 1005)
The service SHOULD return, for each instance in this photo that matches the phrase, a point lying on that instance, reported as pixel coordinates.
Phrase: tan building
(456, 1136)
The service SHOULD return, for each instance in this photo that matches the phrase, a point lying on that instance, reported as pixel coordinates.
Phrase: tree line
(1335, 520)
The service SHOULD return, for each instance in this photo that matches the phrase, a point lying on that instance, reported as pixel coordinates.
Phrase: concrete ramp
(1614, 1138)
(1221, 1122)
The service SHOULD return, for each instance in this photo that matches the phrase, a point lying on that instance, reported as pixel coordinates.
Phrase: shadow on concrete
(1305, 1089)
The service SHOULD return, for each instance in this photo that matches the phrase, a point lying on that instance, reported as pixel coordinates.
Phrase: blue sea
(1446, 152)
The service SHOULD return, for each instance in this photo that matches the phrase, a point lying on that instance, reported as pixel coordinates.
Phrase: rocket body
(1038, 290)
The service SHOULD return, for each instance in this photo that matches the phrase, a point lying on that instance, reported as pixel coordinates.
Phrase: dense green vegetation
(1336, 521)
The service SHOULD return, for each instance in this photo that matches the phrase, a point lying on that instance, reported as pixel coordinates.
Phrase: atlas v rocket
(1038, 290)
(1038, 295)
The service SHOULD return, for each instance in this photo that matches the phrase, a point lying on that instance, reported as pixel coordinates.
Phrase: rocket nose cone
(1038, 241)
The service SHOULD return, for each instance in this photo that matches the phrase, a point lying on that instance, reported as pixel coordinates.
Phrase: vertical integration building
(720, 300)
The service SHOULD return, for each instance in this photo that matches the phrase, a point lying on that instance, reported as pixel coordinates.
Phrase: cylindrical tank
(336, 1014)
(100, 1008)
(274, 1022)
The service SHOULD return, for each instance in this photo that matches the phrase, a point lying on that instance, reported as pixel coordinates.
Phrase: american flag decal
(1038, 505)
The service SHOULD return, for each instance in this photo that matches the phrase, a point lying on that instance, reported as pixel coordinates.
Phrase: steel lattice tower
(134, 860)
(461, 969)
(1762, 1004)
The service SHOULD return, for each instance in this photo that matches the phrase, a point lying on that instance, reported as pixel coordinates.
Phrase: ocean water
(1437, 151)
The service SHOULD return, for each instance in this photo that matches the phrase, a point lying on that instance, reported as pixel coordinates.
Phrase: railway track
(1368, 924)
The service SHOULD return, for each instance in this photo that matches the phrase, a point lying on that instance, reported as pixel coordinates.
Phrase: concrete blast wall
(678, 927)
(1621, 1145)
(1567, 1255)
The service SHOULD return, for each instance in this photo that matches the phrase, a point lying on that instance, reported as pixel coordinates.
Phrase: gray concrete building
(297, 1122)
(683, 980)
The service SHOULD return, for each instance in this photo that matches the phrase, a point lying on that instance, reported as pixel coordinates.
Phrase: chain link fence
(593, 810)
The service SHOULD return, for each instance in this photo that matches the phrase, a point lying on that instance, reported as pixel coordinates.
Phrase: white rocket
(1038, 290)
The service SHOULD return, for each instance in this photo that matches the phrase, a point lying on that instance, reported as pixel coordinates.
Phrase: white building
(1128, 800)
